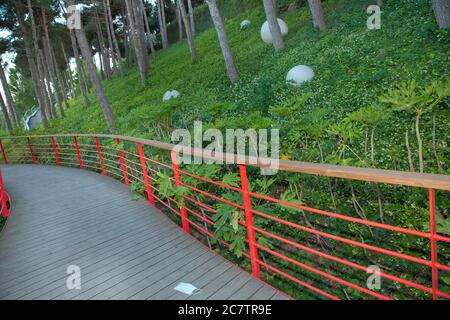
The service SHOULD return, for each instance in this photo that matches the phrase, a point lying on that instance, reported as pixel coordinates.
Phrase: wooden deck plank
(106, 264)
(247, 290)
(126, 249)
(100, 260)
(264, 293)
(158, 261)
(189, 277)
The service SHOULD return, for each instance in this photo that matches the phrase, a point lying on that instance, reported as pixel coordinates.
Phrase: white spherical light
(170, 95)
(245, 24)
(265, 31)
(299, 74)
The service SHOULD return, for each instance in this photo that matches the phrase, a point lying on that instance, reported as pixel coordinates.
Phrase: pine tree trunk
(40, 64)
(61, 82)
(80, 72)
(317, 14)
(110, 41)
(191, 16)
(52, 76)
(37, 84)
(8, 125)
(271, 14)
(126, 41)
(102, 48)
(188, 29)
(442, 13)
(114, 38)
(66, 82)
(71, 81)
(9, 98)
(148, 38)
(53, 68)
(136, 38)
(180, 23)
(140, 29)
(44, 77)
(162, 24)
(87, 81)
(223, 39)
(87, 54)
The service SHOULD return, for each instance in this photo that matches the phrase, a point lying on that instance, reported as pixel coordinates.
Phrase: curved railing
(304, 251)
(4, 200)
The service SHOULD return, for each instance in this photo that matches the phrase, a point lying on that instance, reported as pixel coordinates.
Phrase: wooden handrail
(413, 179)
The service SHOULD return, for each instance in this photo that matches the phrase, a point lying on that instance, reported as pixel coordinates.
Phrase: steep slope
(353, 66)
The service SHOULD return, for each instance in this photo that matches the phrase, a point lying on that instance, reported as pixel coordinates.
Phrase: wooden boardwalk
(125, 249)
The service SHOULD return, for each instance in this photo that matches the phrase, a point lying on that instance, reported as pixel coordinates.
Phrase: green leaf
(232, 179)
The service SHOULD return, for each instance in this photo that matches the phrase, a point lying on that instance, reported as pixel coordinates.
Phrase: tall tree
(81, 80)
(6, 118)
(47, 83)
(317, 14)
(188, 29)
(270, 9)
(40, 64)
(37, 83)
(69, 71)
(126, 40)
(180, 22)
(87, 54)
(162, 23)
(50, 55)
(139, 17)
(8, 96)
(191, 16)
(52, 75)
(108, 33)
(223, 39)
(442, 12)
(135, 24)
(114, 38)
(103, 52)
(148, 38)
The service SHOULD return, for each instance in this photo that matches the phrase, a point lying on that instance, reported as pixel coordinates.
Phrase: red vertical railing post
(5, 210)
(122, 162)
(55, 150)
(30, 148)
(176, 174)
(433, 245)
(77, 149)
(148, 187)
(100, 156)
(5, 160)
(249, 221)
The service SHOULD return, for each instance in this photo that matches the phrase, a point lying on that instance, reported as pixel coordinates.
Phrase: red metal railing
(4, 199)
(287, 243)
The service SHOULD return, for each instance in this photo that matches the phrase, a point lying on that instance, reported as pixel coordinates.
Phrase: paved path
(125, 249)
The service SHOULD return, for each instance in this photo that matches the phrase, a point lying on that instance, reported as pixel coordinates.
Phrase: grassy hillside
(324, 120)
(353, 67)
